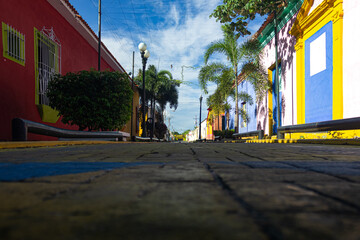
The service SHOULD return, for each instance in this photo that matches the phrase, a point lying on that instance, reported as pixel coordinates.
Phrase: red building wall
(17, 82)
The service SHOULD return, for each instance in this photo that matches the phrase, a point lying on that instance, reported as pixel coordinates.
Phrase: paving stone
(181, 191)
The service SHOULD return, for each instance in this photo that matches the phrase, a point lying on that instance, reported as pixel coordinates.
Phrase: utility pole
(200, 118)
(99, 36)
(195, 120)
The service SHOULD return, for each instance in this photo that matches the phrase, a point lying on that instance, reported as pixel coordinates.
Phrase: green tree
(223, 77)
(168, 96)
(92, 100)
(246, 55)
(238, 12)
(186, 132)
(160, 87)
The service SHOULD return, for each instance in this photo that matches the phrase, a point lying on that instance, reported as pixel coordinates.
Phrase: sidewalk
(32, 144)
(181, 191)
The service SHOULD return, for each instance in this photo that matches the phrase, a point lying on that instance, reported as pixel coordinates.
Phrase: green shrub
(91, 99)
(224, 133)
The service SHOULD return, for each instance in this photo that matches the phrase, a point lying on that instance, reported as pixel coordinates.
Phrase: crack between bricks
(271, 231)
(325, 195)
(73, 188)
(316, 171)
(295, 166)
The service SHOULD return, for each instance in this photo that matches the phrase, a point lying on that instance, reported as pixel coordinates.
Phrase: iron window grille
(13, 44)
(48, 59)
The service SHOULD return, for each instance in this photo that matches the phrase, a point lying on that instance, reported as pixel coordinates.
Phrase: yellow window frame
(47, 113)
(13, 44)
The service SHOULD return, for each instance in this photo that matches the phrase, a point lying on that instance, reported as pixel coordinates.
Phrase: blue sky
(176, 32)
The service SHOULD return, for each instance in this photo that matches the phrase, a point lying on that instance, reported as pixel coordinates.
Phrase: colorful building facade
(38, 40)
(268, 107)
(317, 62)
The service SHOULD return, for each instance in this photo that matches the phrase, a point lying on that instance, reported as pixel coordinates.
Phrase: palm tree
(169, 95)
(160, 87)
(222, 76)
(247, 52)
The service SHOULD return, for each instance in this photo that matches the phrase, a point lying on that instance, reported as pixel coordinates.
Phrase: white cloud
(177, 33)
(122, 51)
(183, 46)
(174, 14)
(180, 44)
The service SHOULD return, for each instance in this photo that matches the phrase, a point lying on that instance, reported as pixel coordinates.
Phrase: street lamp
(145, 54)
(200, 118)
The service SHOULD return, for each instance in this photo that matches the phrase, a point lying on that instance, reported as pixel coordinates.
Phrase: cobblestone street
(181, 191)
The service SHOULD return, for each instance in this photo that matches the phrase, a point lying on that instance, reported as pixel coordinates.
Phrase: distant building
(193, 135)
(40, 38)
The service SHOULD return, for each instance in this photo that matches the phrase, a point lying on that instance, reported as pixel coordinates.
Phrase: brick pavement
(181, 191)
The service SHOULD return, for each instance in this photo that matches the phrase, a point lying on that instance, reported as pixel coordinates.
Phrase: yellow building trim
(304, 27)
(300, 85)
(13, 44)
(36, 57)
(337, 19)
(345, 134)
(47, 113)
(140, 122)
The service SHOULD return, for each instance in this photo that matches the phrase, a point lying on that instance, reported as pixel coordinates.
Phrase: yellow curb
(310, 141)
(12, 145)
(304, 141)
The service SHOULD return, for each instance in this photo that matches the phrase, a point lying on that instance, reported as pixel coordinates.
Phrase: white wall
(316, 3)
(286, 53)
(193, 135)
(351, 60)
(203, 129)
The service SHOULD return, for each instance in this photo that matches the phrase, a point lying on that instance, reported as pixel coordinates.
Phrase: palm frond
(245, 97)
(210, 73)
(244, 115)
(218, 46)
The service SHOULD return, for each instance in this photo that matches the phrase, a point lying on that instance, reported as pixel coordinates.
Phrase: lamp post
(200, 118)
(145, 54)
(132, 102)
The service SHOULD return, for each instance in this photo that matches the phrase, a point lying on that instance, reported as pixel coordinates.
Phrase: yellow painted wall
(127, 127)
(304, 27)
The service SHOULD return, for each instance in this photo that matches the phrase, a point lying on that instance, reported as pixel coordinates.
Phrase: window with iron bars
(13, 44)
(47, 61)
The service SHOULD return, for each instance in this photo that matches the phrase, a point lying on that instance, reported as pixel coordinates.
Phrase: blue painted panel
(274, 99)
(319, 87)
(223, 123)
(18, 172)
(247, 87)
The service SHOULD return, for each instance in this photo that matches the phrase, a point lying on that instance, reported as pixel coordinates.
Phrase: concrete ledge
(21, 127)
(259, 133)
(146, 139)
(332, 125)
(27, 144)
(235, 141)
